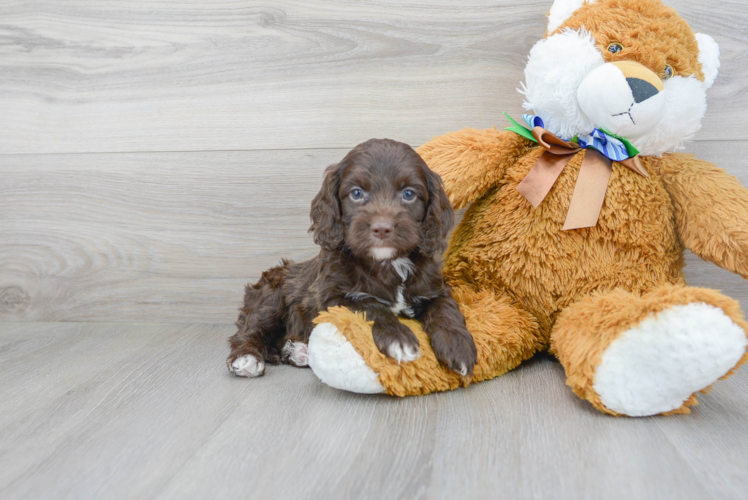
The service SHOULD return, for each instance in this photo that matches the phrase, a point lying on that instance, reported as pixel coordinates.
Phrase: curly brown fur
(381, 219)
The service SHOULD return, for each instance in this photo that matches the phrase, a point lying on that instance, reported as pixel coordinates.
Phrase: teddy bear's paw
(295, 353)
(336, 363)
(657, 365)
(247, 366)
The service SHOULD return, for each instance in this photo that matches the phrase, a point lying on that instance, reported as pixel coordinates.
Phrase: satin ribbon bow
(601, 148)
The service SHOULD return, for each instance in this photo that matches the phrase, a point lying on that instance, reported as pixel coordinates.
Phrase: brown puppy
(381, 220)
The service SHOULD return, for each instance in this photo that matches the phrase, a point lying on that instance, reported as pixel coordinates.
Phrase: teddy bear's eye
(667, 73)
(615, 48)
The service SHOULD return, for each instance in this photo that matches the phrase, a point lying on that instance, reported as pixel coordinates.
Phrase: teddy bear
(577, 218)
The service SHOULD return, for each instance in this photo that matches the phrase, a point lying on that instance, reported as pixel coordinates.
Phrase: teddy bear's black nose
(641, 89)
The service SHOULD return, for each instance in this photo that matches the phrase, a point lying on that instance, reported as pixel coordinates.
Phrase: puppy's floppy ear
(440, 216)
(327, 227)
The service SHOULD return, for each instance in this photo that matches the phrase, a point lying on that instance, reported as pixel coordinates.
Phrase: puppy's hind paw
(295, 353)
(247, 366)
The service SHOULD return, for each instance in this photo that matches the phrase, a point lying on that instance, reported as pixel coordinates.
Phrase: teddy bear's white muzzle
(624, 98)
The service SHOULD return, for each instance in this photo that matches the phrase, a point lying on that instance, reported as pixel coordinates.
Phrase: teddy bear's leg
(504, 334)
(641, 355)
(343, 355)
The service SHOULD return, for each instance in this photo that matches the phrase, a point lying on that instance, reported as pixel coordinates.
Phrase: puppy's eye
(615, 48)
(357, 194)
(409, 195)
(667, 73)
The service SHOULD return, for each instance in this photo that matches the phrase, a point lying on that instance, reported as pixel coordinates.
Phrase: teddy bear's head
(633, 68)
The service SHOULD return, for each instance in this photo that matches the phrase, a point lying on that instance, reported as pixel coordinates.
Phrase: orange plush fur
(659, 37)
(525, 285)
(634, 254)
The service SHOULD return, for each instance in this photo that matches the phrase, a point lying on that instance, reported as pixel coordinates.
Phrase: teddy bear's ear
(708, 57)
(561, 10)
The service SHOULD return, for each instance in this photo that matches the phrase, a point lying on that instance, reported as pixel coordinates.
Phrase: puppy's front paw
(456, 349)
(397, 341)
(247, 366)
(403, 352)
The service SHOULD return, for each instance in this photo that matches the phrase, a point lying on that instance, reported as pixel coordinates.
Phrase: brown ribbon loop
(635, 163)
(553, 144)
(592, 182)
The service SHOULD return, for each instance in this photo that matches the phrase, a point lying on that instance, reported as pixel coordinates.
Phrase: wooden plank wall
(156, 155)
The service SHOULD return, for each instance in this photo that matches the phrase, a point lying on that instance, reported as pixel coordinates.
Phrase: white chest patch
(401, 306)
(404, 267)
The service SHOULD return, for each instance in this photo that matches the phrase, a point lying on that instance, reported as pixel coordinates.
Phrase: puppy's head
(382, 202)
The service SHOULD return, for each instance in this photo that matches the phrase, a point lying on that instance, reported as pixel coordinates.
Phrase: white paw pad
(296, 353)
(403, 353)
(655, 366)
(247, 366)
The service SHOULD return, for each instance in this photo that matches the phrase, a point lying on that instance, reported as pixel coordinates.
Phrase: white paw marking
(655, 366)
(296, 352)
(248, 366)
(403, 353)
(463, 370)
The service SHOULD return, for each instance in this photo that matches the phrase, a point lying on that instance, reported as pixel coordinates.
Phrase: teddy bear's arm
(711, 210)
(471, 161)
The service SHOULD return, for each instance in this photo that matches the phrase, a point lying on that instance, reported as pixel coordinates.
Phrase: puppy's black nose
(382, 230)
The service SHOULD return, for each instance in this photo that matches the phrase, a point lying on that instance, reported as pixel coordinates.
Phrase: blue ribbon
(533, 121)
(606, 144)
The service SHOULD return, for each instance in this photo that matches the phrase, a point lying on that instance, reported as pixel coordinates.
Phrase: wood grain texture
(85, 76)
(175, 236)
(162, 236)
(90, 411)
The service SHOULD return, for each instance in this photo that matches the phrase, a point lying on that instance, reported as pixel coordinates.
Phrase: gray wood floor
(116, 411)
